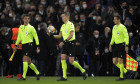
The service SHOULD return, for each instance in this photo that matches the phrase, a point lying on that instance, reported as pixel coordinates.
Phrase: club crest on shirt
(118, 33)
(26, 33)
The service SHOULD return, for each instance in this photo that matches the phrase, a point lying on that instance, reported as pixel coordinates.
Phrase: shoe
(20, 79)
(126, 74)
(19, 75)
(38, 76)
(84, 75)
(9, 76)
(62, 79)
(120, 79)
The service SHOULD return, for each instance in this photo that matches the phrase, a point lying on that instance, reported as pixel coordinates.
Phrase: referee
(119, 41)
(25, 35)
(67, 31)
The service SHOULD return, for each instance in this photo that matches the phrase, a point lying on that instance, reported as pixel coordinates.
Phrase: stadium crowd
(93, 21)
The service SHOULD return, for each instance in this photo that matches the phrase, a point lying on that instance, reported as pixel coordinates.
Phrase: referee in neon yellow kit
(120, 41)
(67, 31)
(25, 35)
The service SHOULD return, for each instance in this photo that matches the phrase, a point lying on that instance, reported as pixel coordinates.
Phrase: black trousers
(107, 65)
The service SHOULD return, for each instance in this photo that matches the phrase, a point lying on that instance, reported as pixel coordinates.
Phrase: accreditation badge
(26, 33)
(118, 33)
(65, 31)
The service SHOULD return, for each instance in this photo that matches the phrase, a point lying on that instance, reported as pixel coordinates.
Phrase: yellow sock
(32, 66)
(25, 68)
(77, 65)
(121, 70)
(64, 67)
(118, 65)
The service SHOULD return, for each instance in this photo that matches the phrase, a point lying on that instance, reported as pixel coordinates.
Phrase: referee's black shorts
(69, 48)
(119, 50)
(27, 49)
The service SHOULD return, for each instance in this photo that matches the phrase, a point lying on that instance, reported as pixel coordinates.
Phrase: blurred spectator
(41, 11)
(106, 57)
(132, 15)
(130, 26)
(4, 49)
(94, 51)
(37, 20)
(123, 12)
(18, 8)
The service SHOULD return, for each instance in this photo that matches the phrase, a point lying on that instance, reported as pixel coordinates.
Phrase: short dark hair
(25, 15)
(77, 24)
(66, 13)
(118, 17)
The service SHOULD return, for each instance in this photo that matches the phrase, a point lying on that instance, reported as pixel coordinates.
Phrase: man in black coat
(106, 58)
(44, 48)
(4, 54)
(94, 50)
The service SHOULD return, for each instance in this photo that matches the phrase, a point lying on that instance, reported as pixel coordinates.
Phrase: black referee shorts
(119, 50)
(27, 49)
(69, 48)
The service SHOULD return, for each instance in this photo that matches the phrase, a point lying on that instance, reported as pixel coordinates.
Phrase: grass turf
(71, 80)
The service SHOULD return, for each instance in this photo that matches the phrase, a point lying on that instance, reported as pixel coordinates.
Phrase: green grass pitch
(71, 80)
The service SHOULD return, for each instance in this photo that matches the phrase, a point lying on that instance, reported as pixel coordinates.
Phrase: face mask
(27, 0)
(96, 36)
(18, 6)
(94, 17)
(6, 33)
(7, 5)
(43, 3)
(60, 1)
(131, 34)
(77, 8)
(82, 20)
(17, 0)
(10, 15)
(37, 19)
(85, 6)
(38, 28)
(41, 12)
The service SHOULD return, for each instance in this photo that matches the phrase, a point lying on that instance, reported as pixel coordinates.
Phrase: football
(52, 29)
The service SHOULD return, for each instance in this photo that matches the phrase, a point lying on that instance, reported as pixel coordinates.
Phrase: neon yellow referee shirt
(119, 35)
(66, 29)
(26, 34)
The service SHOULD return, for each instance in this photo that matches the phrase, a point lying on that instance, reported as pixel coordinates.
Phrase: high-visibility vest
(14, 38)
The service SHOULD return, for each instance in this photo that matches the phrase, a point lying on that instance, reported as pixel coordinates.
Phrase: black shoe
(127, 74)
(120, 79)
(20, 79)
(84, 75)
(38, 76)
(62, 79)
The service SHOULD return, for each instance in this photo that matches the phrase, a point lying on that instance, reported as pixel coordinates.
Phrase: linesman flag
(131, 64)
(12, 56)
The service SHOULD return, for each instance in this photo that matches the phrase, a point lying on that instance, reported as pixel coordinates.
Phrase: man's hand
(15, 48)
(126, 49)
(0, 57)
(66, 41)
(38, 50)
(110, 48)
(61, 44)
(77, 43)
